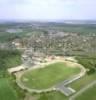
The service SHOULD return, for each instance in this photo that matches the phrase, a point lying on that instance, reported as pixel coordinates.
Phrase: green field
(6, 90)
(49, 76)
(88, 63)
(87, 79)
(89, 94)
(50, 96)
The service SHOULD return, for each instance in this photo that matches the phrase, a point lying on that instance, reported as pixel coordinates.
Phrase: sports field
(89, 94)
(48, 76)
(6, 91)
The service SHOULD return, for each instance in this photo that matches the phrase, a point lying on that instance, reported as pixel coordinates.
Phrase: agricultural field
(49, 76)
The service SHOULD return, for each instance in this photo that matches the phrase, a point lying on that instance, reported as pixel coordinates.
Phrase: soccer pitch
(47, 77)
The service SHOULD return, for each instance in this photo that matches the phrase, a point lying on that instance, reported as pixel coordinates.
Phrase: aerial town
(47, 63)
(47, 49)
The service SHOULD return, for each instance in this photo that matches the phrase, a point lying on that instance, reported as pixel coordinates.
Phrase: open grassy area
(6, 90)
(89, 94)
(49, 76)
(50, 96)
(88, 63)
(87, 79)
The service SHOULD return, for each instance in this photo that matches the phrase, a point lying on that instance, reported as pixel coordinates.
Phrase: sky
(47, 9)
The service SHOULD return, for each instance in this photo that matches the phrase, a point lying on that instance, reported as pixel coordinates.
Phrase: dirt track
(42, 65)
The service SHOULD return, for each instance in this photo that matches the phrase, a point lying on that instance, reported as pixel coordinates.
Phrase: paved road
(65, 90)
